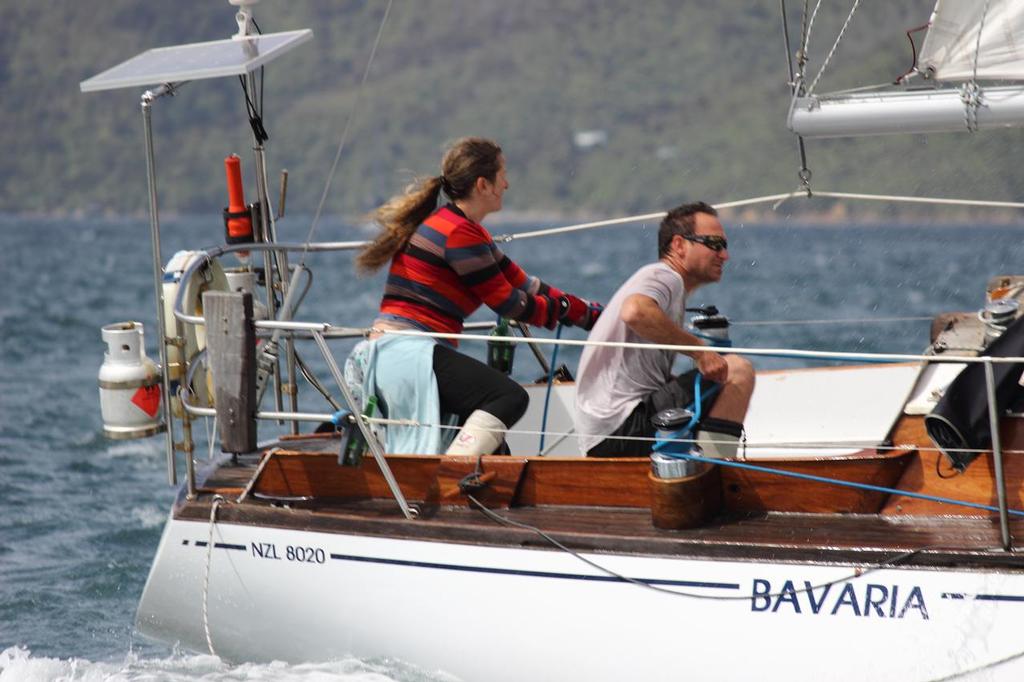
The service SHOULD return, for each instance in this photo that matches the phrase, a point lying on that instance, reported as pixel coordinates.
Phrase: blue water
(80, 516)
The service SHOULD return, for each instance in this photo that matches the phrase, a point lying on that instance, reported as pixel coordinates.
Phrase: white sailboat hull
(499, 613)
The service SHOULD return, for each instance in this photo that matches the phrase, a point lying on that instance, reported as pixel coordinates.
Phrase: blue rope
(686, 433)
(547, 394)
(696, 403)
(836, 481)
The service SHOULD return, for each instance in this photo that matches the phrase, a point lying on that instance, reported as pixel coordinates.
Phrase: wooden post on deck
(231, 352)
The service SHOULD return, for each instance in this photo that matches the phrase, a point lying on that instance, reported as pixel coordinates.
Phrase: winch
(710, 325)
(674, 436)
(997, 315)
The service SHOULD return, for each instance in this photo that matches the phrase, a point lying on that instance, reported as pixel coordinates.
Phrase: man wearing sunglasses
(618, 390)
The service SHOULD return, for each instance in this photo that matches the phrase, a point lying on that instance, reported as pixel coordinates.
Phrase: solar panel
(195, 61)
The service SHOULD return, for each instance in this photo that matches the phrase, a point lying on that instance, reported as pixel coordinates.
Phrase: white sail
(952, 42)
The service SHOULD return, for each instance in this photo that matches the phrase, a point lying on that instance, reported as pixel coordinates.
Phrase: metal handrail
(320, 331)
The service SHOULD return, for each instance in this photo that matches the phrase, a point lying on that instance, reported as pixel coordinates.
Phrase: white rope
(217, 499)
(761, 200)
(921, 200)
(835, 45)
(806, 38)
(629, 219)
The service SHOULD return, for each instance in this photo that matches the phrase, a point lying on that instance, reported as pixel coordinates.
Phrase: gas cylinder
(130, 385)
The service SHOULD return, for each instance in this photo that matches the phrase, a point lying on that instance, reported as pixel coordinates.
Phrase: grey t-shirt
(611, 381)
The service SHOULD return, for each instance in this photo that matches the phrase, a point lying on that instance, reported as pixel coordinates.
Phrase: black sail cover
(959, 423)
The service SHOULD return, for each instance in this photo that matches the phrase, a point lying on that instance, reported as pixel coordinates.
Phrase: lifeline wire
(802, 445)
(835, 45)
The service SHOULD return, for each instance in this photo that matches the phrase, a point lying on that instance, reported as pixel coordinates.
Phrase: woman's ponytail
(398, 219)
(466, 160)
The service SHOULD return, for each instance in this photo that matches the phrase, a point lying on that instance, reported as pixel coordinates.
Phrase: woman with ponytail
(443, 266)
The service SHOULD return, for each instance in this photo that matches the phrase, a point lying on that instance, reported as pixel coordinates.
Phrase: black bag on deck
(960, 421)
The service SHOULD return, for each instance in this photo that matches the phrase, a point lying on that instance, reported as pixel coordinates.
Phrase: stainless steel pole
(268, 236)
(997, 454)
(270, 229)
(371, 440)
(148, 98)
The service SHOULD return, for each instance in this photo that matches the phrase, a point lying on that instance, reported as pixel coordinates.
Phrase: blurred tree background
(602, 106)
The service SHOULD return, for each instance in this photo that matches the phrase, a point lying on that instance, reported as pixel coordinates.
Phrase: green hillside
(691, 96)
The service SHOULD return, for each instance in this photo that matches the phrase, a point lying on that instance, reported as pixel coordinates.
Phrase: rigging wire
(345, 131)
(835, 46)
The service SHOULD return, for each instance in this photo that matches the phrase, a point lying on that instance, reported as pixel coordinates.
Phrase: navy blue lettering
(892, 602)
(915, 601)
(875, 602)
(847, 598)
(816, 605)
(787, 594)
(759, 601)
(264, 550)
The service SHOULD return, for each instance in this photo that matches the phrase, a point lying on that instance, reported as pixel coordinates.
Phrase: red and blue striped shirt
(451, 266)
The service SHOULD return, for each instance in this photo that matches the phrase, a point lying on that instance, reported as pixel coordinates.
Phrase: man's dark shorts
(678, 392)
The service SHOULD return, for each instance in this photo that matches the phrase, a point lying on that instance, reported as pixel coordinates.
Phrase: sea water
(80, 516)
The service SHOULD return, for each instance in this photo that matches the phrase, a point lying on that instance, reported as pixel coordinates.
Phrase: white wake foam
(17, 664)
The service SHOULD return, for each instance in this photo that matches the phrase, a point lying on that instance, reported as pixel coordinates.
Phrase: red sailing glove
(578, 313)
(552, 312)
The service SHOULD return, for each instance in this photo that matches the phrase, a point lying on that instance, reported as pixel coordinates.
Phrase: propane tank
(130, 385)
(711, 326)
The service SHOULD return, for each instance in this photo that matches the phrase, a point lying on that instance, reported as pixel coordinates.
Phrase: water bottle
(355, 446)
(711, 326)
(500, 354)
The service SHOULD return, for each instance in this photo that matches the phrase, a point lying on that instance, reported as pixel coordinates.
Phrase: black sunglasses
(713, 242)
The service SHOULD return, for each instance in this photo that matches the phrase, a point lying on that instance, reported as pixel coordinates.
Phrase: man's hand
(712, 366)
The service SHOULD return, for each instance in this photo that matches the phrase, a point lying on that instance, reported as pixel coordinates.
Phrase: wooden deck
(303, 488)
